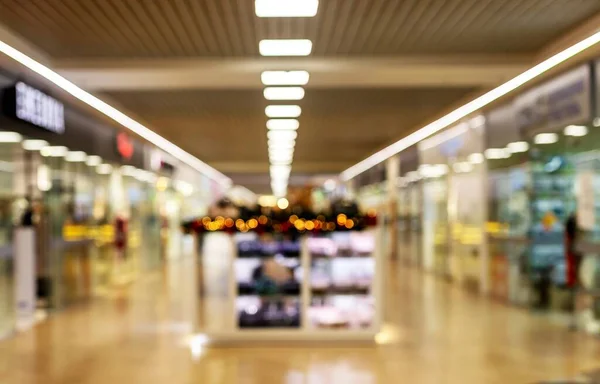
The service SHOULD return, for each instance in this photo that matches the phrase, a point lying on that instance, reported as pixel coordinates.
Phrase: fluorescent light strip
(285, 77)
(285, 47)
(286, 8)
(114, 114)
(470, 107)
(284, 93)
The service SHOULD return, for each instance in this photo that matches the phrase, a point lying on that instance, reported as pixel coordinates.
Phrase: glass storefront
(7, 221)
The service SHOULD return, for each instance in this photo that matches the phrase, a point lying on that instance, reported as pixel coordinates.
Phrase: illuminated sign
(35, 107)
(125, 146)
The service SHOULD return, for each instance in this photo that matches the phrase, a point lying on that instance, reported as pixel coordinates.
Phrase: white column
(392, 174)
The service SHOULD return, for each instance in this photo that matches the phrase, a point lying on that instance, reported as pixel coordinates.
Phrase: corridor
(434, 333)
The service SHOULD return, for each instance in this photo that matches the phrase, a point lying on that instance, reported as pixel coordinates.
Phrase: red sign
(124, 146)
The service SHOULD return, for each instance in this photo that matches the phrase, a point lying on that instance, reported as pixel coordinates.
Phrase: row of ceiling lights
(438, 170)
(47, 150)
(283, 86)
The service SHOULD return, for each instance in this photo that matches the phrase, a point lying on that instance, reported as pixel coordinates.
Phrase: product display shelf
(303, 330)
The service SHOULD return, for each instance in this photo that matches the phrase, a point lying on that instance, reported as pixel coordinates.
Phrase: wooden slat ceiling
(337, 125)
(229, 28)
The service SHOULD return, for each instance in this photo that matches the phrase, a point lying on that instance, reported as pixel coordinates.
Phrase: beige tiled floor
(443, 335)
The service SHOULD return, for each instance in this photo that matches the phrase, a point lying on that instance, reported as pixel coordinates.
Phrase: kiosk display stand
(323, 287)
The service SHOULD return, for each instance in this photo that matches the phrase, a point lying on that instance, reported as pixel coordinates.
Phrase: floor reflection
(433, 333)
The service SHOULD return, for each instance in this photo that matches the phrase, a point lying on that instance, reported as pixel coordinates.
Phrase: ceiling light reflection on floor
(285, 47)
(286, 8)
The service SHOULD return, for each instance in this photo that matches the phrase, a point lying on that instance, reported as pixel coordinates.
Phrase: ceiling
(224, 28)
(379, 68)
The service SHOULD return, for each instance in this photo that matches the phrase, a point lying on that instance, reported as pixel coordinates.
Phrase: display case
(310, 287)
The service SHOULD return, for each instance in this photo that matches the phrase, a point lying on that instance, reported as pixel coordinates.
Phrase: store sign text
(37, 108)
(565, 100)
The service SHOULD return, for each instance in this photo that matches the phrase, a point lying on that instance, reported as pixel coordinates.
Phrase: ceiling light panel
(286, 8)
(285, 47)
(518, 147)
(276, 144)
(284, 93)
(76, 156)
(283, 111)
(285, 77)
(545, 138)
(576, 130)
(283, 124)
(93, 161)
(10, 137)
(34, 145)
(282, 136)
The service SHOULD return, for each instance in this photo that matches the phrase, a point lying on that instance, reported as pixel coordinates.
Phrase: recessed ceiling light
(280, 162)
(76, 157)
(283, 124)
(285, 47)
(433, 170)
(497, 153)
(476, 158)
(576, 130)
(276, 158)
(462, 167)
(518, 147)
(283, 111)
(413, 176)
(470, 107)
(34, 145)
(54, 151)
(285, 77)
(278, 143)
(280, 168)
(286, 8)
(128, 170)
(93, 160)
(284, 93)
(104, 169)
(281, 152)
(10, 137)
(545, 138)
(286, 136)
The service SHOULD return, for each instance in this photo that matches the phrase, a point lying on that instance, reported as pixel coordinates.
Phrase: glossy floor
(440, 334)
